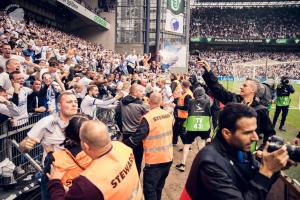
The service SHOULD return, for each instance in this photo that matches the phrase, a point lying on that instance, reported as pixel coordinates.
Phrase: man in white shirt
(90, 102)
(49, 131)
(131, 60)
(40, 50)
(7, 108)
(20, 96)
(167, 95)
(6, 55)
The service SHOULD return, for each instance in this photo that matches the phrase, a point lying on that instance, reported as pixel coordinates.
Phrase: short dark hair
(53, 62)
(186, 84)
(45, 74)
(4, 44)
(11, 75)
(91, 87)
(232, 112)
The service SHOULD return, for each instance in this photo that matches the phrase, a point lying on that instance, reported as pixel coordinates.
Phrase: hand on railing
(27, 144)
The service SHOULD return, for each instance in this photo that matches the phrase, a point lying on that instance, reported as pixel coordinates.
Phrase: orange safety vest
(177, 91)
(115, 174)
(183, 114)
(158, 147)
(73, 166)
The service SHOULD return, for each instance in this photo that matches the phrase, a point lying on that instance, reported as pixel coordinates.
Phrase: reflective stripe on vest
(158, 146)
(73, 166)
(183, 114)
(115, 174)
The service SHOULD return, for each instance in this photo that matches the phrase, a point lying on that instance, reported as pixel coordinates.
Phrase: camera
(285, 80)
(276, 143)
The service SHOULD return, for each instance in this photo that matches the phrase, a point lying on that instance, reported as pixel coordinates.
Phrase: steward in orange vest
(112, 174)
(156, 133)
(182, 111)
(73, 165)
(181, 104)
(72, 160)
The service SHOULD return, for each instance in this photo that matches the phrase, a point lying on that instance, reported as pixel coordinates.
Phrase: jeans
(154, 180)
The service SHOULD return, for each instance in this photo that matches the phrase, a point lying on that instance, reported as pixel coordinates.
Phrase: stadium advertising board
(85, 12)
(175, 16)
(284, 41)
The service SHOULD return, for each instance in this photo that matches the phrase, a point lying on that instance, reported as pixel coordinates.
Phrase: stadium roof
(243, 4)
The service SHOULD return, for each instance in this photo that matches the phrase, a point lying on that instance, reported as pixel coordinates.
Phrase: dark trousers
(138, 152)
(178, 129)
(154, 180)
(285, 110)
(214, 117)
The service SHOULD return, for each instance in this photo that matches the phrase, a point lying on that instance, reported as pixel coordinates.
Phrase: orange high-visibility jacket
(158, 146)
(115, 174)
(183, 114)
(72, 165)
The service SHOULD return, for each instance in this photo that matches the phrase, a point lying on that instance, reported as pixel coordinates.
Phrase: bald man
(247, 96)
(155, 131)
(129, 113)
(112, 174)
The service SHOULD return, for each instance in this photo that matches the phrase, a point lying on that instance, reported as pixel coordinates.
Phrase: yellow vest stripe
(158, 149)
(154, 137)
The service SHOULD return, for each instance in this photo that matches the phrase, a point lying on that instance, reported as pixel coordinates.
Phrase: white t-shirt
(19, 58)
(49, 131)
(89, 105)
(85, 82)
(5, 81)
(167, 95)
(22, 105)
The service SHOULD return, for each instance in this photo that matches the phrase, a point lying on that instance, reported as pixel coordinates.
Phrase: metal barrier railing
(107, 116)
(9, 133)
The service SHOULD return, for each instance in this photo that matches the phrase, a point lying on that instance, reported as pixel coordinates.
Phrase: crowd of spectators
(37, 63)
(245, 23)
(38, 60)
(225, 63)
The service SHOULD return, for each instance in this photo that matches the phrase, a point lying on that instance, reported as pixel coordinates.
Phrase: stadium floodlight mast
(196, 4)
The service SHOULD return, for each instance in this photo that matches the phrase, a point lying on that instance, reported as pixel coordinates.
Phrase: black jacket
(129, 113)
(284, 90)
(35, 101)
(218, 173)
(264, 124)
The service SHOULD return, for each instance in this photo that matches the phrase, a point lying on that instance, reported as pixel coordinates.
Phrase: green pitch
(292, 123)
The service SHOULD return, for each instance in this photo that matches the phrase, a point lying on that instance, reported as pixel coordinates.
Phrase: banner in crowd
(173, 56)
(85, 12)
(175, 16)
(283, 41)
